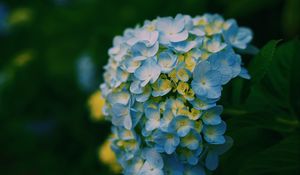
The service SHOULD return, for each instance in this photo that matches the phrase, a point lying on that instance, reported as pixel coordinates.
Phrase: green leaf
(282, 158)
(248, 141)
(262, 60)
(274, 98)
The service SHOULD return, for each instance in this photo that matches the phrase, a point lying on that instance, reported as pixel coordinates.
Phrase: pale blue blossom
(121, 116)
(149, 38)
(167, 61)
(141, 52)
(166, 141)
(214, 151)
(145, 95)
(238, 37)
(152, 114)
(212, 115)
(214, 134)
(184, 46)
(215, 44)
(192, 140)
(182, 125)
(148, 72)
(161, 87)
(189, 156)
(172, 30)
(227, 63)
(206, 81)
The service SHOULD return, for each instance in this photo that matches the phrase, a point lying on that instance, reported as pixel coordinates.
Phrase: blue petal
(221, 128)
(127, 122)
(136, 88)
(211, 161)
(179, 36)
(214, 92)
(121, 116)
(126, 134)
(146, 133)
(152, 112)
(130, 65)
(140, 49)
(183, 131)
(212, 116)
(201, 103)
(184, 46)
(136, 116)
(169, 148)
(195, 170)
(164, 24)
(119, 97)
(153, 157)
(192, 144)
(192, 160)
(214, 133)
(215, 44)
(152, 124)
(198, 88)
(213, 78)
(243, 37)
(166, 119)
(145, 95)
(200, 69)
(197, 31)
(222, 148)
(214, 139)
(149, 71)
(167, 60)
(244, 73)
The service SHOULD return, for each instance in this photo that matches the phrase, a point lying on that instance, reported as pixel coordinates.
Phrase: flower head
(161, 86)
(166, 141)
(206, 81)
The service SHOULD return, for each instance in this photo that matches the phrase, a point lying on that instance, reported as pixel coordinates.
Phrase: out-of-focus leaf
(247, 7)
(282, 158)
(262, 60)
(270, 103)
(291, 17)
(248, 140)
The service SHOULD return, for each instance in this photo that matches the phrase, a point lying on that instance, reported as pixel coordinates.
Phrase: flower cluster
(162, 82)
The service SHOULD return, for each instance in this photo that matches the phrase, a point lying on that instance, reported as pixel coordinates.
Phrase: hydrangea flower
(161, 86)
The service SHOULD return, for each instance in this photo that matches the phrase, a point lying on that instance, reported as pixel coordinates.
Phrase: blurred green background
(51, 58)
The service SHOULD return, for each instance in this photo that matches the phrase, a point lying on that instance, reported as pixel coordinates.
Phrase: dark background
(45, 123)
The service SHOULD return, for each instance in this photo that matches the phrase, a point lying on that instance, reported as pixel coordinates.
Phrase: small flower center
(182, 123)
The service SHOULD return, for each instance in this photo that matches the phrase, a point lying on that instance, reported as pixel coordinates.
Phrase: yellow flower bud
(96, 103)
(107, 156)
